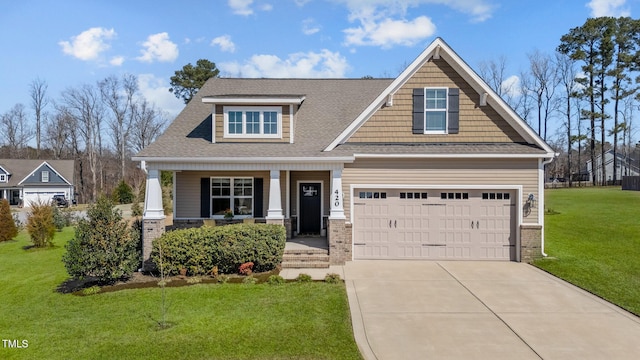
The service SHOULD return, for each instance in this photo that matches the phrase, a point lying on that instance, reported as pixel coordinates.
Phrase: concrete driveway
(481, 310)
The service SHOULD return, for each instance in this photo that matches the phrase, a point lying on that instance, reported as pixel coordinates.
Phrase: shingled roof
(20, 169)
(329, 106)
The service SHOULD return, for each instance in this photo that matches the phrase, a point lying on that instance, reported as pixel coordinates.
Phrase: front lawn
(593, 241)
(222, 321)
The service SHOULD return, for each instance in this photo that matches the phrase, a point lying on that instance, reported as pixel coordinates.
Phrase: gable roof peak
(439, 49)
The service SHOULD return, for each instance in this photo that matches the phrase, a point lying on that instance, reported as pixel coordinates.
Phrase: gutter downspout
(542, 164)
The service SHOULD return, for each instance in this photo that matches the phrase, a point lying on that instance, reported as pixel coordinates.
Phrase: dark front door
(310, 198)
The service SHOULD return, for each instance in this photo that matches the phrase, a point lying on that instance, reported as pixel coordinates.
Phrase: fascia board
(252, 100)
(245, 160)
(450, 156)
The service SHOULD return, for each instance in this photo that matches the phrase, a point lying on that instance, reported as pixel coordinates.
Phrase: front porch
(307, 202)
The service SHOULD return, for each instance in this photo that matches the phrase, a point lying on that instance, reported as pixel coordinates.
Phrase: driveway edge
(357, 322)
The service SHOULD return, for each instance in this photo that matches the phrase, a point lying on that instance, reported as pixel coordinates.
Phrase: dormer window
(253, 122)
(3, 178)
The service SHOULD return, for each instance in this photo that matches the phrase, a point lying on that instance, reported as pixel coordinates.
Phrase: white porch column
(153, 199)
(275, 200)
(337, 206)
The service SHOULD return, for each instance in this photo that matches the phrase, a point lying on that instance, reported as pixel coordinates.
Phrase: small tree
(104, 246)
(123, 193)
(40, 225)
(8, 229)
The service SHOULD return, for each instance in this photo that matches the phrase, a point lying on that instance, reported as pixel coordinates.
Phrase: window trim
(231, 196)
(43, 178)
(446, 111)
(244, 110)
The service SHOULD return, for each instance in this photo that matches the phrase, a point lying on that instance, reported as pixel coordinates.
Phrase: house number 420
(337, 199)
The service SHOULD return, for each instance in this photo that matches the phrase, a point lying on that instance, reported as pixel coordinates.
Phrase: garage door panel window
(372, 195)
(496, 196)
(454, 196)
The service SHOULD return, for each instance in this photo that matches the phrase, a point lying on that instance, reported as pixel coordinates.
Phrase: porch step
(301, 259)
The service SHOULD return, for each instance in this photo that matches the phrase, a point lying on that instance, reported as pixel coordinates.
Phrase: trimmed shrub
(8, 228)
(104, 246)
(40, 225)
(226, 247)
(276, 280)
(302, 277)
(332, 278)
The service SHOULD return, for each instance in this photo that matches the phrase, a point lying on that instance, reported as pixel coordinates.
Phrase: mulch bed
(141, 280)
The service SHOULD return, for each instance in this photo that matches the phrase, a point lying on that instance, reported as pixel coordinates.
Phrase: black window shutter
(418, 111)
(258, 192)
(454, 111)
(205, 197)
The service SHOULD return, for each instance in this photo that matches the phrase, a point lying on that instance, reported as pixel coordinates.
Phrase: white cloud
(301, 2)
(117, 60)
(156, 91)
(309, 26)
(608, 8)
(241, 7)
(225, 43)
(266, 7)
(511, 86)
(89, 44)
(387, 32)
(158, 47)
(323, 64)
(479, 10)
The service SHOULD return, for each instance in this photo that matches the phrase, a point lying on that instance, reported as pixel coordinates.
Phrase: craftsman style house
(430, 165)
(23, 182)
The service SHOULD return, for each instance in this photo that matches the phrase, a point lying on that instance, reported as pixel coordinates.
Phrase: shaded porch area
(306, 252)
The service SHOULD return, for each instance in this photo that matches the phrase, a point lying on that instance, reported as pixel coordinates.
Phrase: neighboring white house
(23, 182)
(626, 166)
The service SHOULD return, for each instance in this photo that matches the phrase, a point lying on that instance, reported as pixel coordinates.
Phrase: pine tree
(8, 229)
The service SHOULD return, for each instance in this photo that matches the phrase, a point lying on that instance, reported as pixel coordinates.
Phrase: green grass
(593, 241)
(223, 321)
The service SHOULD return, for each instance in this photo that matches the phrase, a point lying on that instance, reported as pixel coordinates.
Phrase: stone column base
(275, 221)
(151, 230)
(530, 243)
(339, 238)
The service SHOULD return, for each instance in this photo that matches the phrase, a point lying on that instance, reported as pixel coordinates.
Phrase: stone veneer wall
(151, 230)
(530, 242)
(339, 237)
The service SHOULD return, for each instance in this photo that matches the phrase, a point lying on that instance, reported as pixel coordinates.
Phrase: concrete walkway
(481, 310)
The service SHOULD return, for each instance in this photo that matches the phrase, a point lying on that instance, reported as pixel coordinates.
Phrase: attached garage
(435, 224)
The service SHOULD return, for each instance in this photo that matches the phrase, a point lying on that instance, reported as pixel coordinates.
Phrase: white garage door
(434, 224)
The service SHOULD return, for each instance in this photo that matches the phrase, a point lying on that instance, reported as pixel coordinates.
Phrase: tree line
(99, 125)
(591, 78)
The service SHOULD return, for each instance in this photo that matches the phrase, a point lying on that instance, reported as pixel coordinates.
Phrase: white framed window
(435, 110)
(44, 176)
(3, 178)
(253, 122)
(232, 194)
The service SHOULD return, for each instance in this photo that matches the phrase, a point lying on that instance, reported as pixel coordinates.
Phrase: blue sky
(68, 43)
